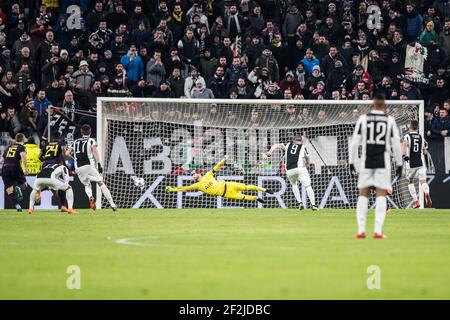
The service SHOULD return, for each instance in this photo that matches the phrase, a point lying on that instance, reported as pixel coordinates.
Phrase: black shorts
(13, 175)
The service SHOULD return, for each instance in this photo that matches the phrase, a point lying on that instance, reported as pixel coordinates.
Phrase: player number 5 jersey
(82, 151)
(416, 145)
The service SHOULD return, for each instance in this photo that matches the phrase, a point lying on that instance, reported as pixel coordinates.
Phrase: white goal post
(147, 144)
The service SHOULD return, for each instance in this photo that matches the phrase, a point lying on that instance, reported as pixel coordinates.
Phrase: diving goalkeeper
(229, 190)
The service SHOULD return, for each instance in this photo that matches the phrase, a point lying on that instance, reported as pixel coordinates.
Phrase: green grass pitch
(223, 254)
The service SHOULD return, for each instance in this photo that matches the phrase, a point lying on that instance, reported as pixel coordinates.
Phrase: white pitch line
(136, 243)
(133, 242)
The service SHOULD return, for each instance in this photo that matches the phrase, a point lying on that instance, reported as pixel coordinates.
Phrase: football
(139, 182)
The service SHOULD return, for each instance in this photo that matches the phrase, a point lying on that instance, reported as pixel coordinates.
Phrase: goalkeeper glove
(170, 189)
(225, 157)
(100, 169)
(399, 171)
(405, 158)
(353, 170)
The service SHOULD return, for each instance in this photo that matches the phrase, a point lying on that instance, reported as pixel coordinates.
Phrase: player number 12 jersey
(379, 136)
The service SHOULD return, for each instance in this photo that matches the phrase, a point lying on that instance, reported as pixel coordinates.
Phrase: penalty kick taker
(229, 190)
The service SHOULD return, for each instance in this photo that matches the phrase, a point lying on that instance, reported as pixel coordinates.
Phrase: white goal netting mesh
(150, 144)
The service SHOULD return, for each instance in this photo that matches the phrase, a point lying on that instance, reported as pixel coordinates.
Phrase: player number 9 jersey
(295, 154)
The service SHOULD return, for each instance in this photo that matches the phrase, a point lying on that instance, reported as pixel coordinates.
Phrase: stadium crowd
(260, 49)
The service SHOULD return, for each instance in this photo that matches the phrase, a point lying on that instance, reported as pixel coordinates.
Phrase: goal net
(149, 144)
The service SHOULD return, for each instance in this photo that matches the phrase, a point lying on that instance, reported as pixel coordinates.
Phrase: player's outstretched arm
(275, 147)
(96, 155)
(192, 187)
(405, 146)
(220, 164)
(307, 160)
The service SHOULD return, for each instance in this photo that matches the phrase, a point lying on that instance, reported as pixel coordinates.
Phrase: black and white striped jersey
(416, 145)
(53, 171)
(294, 154)
(82, 151)
(379, 137)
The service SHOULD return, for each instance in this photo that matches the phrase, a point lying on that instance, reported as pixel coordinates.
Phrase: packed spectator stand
(241, 49)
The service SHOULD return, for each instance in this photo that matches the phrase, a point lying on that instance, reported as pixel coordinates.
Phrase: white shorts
(88, 173)
(299, 175)
(52, 184)
(378, 178)
(416, 173)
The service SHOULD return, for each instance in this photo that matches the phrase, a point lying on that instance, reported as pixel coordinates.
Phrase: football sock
(18, 192)
(88, 190)
(425, 188)
(361, 213)
(69, 196)
(62, 197)
(412, 191)
(296, 192)
(380, 213)
(310, 192)
(32, 199)
(107, 194)
(13, 198)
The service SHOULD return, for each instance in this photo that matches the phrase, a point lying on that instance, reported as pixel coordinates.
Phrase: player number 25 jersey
(294, 155)
(82, 151)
